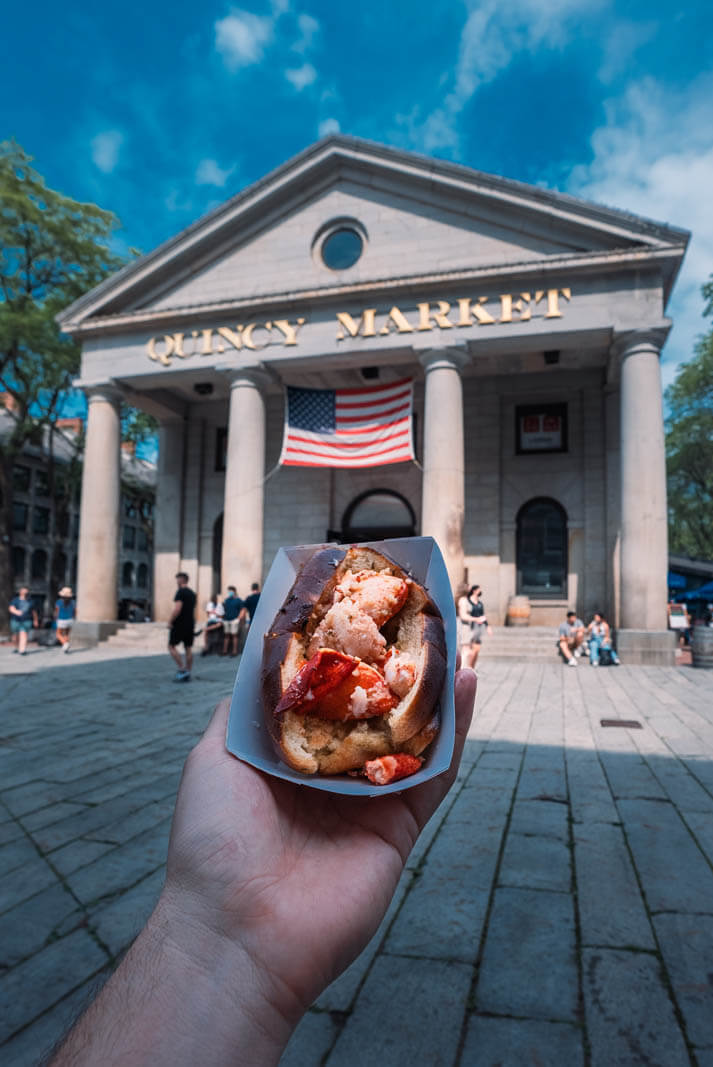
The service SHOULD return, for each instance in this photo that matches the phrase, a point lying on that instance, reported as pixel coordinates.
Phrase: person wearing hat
(64, 616)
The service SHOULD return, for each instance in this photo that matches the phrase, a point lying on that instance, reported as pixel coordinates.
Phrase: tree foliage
(689, 449)
(52, 250)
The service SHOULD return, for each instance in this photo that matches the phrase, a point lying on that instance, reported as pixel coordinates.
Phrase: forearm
(181, 996)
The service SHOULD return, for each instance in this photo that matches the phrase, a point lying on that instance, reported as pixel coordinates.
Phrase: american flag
(348, 427)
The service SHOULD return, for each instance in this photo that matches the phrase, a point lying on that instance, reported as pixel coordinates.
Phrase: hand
(271, 890)
(296, 878)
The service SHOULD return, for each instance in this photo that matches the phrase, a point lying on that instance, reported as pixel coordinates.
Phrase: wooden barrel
(519, 611)
(702, 647)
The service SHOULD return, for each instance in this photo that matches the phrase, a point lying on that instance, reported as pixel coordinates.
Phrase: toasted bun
(319, 746)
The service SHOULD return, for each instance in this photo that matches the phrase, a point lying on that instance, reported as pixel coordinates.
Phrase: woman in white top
(213, 630)
(599, 637)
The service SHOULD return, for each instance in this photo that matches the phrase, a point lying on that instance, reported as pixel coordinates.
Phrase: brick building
(31, 523)
(530, 322)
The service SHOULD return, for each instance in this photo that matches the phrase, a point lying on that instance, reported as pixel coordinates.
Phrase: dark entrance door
(542, 549)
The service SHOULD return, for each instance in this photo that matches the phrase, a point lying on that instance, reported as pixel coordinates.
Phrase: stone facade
(510, 308)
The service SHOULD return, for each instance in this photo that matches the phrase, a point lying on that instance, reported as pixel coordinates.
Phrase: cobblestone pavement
(558, 909)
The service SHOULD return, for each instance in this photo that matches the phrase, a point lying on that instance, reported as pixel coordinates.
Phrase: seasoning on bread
(353, 667)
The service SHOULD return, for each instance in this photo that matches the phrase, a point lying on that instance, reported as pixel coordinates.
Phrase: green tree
(52, 250)
(689, 449)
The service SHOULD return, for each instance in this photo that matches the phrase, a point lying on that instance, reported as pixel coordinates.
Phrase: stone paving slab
(492, 1042)
(535, 862)
(41, 980)
(611, 909)
(647, 1032)
(557, 909)
(28, 926)
(418, 1021)
(685, 942)
(529, 964)
(674, 874)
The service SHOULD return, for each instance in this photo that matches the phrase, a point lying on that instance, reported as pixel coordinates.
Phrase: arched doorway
(542, 549)
(378, 514)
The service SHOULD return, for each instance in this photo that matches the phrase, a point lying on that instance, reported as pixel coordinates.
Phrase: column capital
(256, 375)
(108, 392)
(446, 358)
(629, 341)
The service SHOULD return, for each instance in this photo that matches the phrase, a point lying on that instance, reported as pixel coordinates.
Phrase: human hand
(290, 881)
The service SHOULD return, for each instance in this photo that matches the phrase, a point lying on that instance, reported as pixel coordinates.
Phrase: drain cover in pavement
(629, 724)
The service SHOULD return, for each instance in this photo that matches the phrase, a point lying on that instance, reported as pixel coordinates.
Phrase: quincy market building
(530, 322)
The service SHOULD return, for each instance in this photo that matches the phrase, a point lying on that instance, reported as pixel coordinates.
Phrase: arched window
(377, 514)
(142, 578)
(38, 568)
(127, 573)
(18, 562)
(62, 567)
(542, 549)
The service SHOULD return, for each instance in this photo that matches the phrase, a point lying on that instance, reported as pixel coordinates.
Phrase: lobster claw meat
(332, 685)
(387, 769)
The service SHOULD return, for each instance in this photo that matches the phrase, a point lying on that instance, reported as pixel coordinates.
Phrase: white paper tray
(248, 736)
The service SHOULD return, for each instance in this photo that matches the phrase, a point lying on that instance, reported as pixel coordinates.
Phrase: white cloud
(105, 150)
(241, 37)
(302, 76)
(309, 28)
(623, 40)
(209, 173)
(328, 126)
(174, 202)
(654, 157)
(494, 32)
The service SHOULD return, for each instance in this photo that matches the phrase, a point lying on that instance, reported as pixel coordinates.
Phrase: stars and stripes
(364, 427)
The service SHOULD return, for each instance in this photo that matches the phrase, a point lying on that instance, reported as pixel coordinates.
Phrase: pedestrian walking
(23, 618)
(234, 613)
(181, 623)
(64, 611)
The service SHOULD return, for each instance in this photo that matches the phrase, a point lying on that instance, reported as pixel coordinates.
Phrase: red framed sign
(540, 428)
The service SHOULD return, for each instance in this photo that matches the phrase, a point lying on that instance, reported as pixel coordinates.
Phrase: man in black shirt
(252, 599)
(181, 624)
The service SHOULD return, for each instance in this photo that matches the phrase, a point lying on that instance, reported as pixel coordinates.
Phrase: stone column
(244, 476)
(644, 539)
(443, 499)
(99, 512)
(168, 525)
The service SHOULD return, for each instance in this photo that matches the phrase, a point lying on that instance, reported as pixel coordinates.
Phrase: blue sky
(158, 112)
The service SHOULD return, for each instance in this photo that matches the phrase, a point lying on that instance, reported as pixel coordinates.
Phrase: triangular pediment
(418, 219)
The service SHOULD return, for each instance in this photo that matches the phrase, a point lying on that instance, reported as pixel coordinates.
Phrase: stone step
(525, 643)
(152, 636)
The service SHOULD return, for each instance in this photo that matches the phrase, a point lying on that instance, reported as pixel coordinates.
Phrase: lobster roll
(353, 667)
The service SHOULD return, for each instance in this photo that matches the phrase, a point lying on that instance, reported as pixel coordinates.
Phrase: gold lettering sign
(466, 311)
(215, 340)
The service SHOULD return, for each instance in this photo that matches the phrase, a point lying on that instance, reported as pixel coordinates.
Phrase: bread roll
(353, 665)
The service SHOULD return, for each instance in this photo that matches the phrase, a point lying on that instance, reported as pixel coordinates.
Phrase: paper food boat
(248, 736)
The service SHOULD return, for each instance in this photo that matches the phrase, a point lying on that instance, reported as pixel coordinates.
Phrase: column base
(89, 634)
(655, 648)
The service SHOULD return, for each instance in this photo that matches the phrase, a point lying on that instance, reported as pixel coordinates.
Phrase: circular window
(342, 248)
